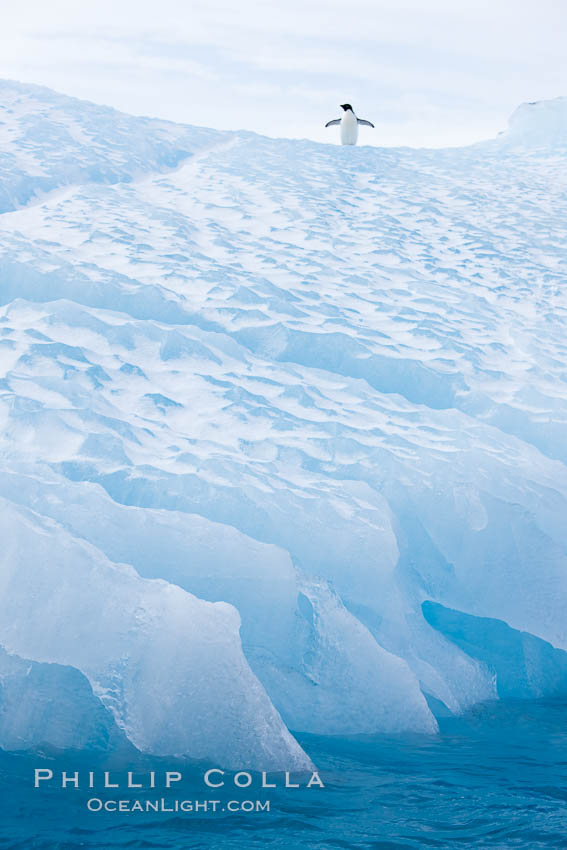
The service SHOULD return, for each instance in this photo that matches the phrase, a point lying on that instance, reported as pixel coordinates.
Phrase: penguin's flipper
(334, 121)
(366, 123)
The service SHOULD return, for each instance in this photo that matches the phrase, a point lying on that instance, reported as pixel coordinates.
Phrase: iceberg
(284, 421)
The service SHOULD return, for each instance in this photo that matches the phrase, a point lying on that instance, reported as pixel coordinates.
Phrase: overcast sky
(442, 72)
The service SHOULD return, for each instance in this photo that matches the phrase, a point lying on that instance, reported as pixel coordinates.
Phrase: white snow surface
(319, 385)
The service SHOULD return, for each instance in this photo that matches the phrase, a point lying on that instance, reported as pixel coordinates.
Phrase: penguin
(349, 125)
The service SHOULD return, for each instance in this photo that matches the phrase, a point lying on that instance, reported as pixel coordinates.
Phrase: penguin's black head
(346, 107)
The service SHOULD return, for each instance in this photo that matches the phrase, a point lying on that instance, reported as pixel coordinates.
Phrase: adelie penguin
(349, 125)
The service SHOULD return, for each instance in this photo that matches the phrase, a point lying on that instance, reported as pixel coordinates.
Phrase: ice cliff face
(325, 387)
(52, 704)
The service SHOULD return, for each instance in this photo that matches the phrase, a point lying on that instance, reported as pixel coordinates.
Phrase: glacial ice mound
(540, 123)
(49, 142)
(320, 387)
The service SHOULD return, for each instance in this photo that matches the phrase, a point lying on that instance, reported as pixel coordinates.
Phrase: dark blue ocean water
(496, 778)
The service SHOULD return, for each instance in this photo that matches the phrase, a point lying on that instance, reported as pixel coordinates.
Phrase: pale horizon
(434, 77)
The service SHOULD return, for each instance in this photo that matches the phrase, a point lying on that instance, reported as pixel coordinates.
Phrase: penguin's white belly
(349, 129)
